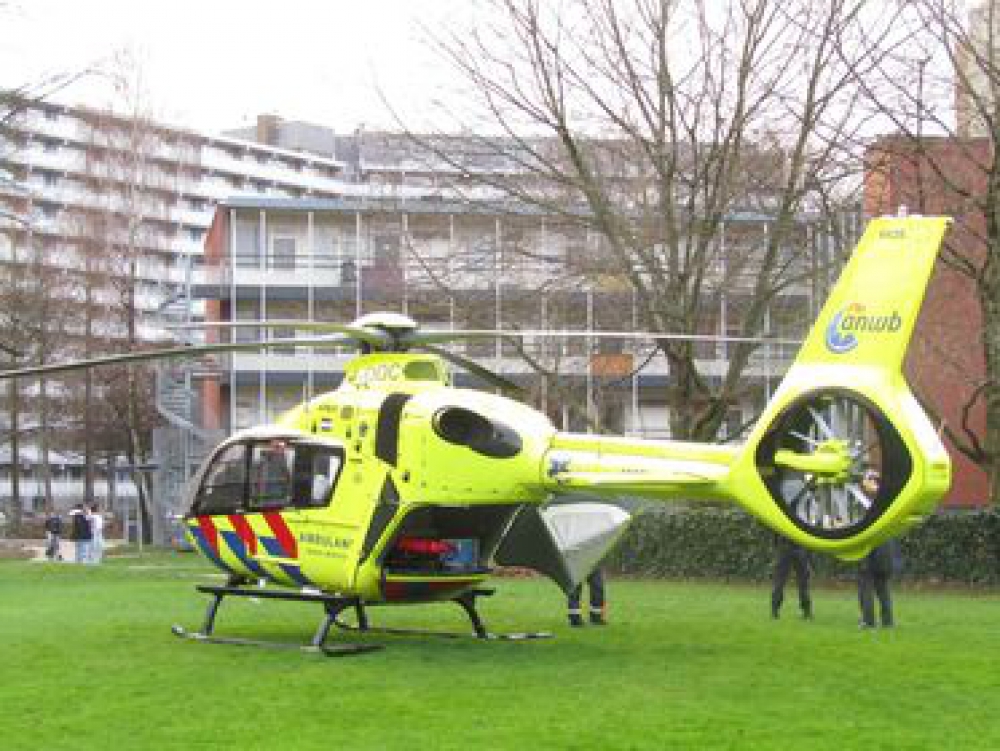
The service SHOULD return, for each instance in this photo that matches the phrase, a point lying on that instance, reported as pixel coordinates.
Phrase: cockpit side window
(271, 466)
(316, 472)
(224, 487)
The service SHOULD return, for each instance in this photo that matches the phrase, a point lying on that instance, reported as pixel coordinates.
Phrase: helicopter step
(333, 605)
(467, 601)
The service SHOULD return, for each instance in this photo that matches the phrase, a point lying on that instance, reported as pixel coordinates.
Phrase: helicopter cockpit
(269, 473)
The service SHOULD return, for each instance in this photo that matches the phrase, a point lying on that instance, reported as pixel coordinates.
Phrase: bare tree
(36, 321)
(119, 251)
(23, 251)
(656, 124)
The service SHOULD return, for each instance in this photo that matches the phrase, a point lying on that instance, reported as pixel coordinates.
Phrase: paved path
(67, 548)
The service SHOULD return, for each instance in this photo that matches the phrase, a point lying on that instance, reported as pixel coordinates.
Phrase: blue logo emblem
(836, 341)
(847, 323)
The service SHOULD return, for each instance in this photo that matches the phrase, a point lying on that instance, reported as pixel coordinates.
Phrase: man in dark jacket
(874, 573)
(789, 557)
(81, 532)
(876, 569)
(53, 534)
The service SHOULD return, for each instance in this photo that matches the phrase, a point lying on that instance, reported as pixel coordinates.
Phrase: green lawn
(88, 662)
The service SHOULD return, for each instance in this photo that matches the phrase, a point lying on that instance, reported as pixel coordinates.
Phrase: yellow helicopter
(398, 488)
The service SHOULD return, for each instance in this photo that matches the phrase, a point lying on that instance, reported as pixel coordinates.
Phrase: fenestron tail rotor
(813, 459)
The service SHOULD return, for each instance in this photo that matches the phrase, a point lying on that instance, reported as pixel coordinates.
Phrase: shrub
(719, 543)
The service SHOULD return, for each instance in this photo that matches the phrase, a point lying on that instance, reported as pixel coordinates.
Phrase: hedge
(717, 543)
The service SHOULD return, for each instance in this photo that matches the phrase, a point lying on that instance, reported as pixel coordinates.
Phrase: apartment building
(977, 61)
(456, 265)
(82, 189)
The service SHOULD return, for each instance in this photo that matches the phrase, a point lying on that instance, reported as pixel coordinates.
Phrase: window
(270, 475)
(224, 485)
(283, 333)
(283, 253)
(319, 467)
(246, 242)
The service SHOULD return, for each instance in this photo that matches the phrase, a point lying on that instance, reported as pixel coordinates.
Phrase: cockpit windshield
(269, 474)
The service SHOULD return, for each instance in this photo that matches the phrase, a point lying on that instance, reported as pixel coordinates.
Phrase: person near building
(790, 557)
(598, 603)
(97, 534)
(876, 569)
(53, 536)
(81, 532)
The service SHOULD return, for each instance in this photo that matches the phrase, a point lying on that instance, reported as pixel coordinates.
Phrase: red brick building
(946, 363)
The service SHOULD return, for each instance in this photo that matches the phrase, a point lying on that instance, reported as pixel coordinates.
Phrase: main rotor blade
(507, 386)
(419, 338)
(162, 354)
(368, 336)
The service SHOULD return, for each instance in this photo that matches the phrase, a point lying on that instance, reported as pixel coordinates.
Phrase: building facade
(87, 192)
(454, 266)
(946, 364)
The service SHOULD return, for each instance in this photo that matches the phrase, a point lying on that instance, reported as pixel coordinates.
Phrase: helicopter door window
(270, 476)
(316, 472)
(224, 485)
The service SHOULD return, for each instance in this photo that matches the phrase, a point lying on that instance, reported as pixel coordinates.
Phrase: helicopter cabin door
(273, 501)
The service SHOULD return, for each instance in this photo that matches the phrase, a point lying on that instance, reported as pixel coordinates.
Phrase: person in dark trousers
(81, 532)
(53, 534)
(876, 569)
(595, 582)
(789, 557)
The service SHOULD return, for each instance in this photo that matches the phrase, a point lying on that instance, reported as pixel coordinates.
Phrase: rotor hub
(829, 463)
(396, 325)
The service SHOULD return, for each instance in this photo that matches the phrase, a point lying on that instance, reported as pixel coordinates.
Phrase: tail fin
(844, 408)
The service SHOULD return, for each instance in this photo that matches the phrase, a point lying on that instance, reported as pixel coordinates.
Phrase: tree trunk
(990, 302)
(45, 467)
(15, 456)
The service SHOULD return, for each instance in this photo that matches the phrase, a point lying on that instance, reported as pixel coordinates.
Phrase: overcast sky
(215, 64)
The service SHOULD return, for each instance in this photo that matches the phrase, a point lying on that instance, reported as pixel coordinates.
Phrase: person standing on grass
(53, 535)
(598, 605)
(81, 532)
(876, 569)
(789, 557)
(97, 534)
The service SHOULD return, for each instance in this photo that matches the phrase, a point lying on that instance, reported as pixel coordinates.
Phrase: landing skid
(334, 606)
(466, 600)
(336, 650)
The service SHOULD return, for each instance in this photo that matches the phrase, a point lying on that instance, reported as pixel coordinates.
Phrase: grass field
(88, 662)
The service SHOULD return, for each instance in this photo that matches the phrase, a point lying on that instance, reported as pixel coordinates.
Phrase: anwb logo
(847, 323)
